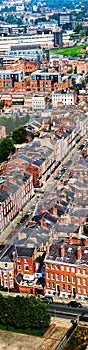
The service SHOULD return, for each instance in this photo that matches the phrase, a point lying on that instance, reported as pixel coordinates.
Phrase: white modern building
(39, 102)
(63, 97)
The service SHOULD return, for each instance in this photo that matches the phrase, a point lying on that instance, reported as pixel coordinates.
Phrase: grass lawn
(69, 51)
(34, 332)
(78, 340)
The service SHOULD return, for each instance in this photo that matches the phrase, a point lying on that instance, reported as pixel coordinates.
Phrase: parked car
(48, 300)
(74, 303)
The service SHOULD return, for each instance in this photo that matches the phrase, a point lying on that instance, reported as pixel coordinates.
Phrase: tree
(19, 22)
(19, 135)
(6, 147)
(86, 228)
(24, 313)
(1, 104)
(11, 124)
(78, 28)
(11, 19)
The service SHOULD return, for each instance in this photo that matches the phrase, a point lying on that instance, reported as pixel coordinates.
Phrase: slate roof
(23, 251)
(3, 195)
(70, 255)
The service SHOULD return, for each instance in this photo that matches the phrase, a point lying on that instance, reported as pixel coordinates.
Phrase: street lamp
(6, 315)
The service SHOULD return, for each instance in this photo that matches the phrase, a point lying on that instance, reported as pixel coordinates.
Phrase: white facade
(38, 102)
(66, 98)
(44, 40)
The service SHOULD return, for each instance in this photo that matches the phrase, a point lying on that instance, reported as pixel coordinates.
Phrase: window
(79, 290)
(67, 268)
(62, 268)
(11, 283)
(84, 272)
(57, 277)
(52, 276)
(10, 274)
(53, 285)
(84, 290)
(63, 279)
(63, 287)
(48, 275)
(73, 269)
(25, 261)
(48, 284)
(79, 281)
(19, 267)
(8, 83)
(68, 278)
(57, 267)
(52, 266)
(5, 275)
(73, 279)
(5, 264)
(84, 282)
(6, 284)
(26, 267)
(79, 271)
(68, 288)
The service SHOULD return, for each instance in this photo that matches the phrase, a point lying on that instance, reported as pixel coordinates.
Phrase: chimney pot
(79, 253)
(62, 250)
(47, 248)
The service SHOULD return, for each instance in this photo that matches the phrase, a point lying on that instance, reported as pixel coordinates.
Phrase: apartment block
(66, 268)
(39, 102)
(48, 81)
(19, 267)
(15, 191)
(63, 97)
(26, 42)
(8, 78)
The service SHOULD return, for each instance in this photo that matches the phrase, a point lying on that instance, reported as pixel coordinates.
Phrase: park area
(78, 340)
(70, 51)
(17, 341)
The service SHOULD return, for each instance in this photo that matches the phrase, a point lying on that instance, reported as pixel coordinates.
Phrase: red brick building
(18, 268)
(66, 268)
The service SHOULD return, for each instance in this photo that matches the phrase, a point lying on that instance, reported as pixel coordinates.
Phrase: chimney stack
(47, 248)
(79, 253)
(62, 250)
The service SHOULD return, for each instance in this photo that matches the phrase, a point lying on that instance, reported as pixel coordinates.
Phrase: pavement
(16, 341)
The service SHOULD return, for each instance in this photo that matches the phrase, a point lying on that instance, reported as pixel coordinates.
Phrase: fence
(66, 336)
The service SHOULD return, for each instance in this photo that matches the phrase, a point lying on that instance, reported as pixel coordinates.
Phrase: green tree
(19, 22)
(6, 147)
(19, 135)
(24, 313)
(1, 104)
(11, 124)
(10, 19)
(86, 229)
(78, 28)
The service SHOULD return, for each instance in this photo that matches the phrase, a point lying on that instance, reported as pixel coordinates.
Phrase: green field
(69, 51)
(78, 340)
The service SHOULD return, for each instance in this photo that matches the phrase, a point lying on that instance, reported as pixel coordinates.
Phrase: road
(50, 184)
(63, 311)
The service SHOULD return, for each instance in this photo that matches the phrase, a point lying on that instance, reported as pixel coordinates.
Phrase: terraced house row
(65, 268)
(33, 164)
(50, 251)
